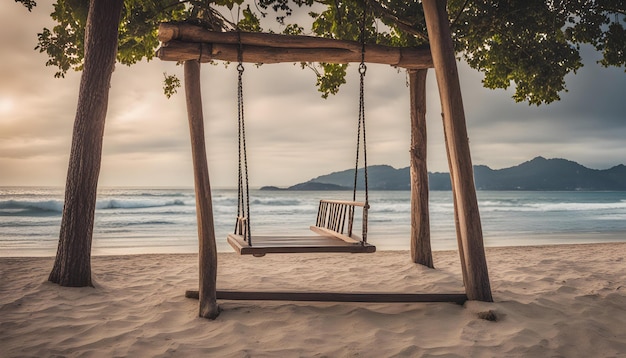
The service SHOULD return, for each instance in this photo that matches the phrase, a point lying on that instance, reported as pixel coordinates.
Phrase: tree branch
(456, 18)
(402, 24)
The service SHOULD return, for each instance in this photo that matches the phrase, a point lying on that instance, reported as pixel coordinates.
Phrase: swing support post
(469, 230)
(421, 252)
(207, 254)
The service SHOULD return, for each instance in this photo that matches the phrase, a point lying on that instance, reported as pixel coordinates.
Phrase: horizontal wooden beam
(188, 42)
(394, 56)
(192, 33)
(377, 297)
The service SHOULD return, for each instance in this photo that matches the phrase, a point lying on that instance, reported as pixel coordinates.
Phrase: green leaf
(528, 44)
(171, 84)
(29, 4)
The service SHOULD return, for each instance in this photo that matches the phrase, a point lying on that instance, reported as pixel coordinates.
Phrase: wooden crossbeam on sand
(365, 297)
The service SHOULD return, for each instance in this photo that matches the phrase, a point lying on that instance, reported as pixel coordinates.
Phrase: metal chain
(362, 70)
(361, 122)
(243, 200)
(240, 205)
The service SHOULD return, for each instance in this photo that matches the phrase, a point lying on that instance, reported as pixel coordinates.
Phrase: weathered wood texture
(336, 218)
(456, 215)
(353, 239)
(296, 245)
(421, 252)
(187, 42)
(476, 275)
(334, 223)
(191, 33)
(365, 297)
(204, 210)
(72, 265)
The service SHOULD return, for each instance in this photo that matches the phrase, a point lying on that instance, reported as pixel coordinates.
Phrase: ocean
(158, 220)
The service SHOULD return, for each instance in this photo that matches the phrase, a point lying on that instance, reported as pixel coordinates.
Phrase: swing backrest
(242, 226)
(336, 218)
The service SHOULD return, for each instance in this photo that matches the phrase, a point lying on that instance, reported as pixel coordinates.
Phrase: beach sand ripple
(551, 301)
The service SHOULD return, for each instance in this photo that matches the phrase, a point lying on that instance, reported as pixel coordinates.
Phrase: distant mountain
(536, 174)
(313, 185)
(379, 177)
(550, 174)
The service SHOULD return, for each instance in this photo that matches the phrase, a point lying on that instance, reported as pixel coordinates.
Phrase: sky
(293, 134)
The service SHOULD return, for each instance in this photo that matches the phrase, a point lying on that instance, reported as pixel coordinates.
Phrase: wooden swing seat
(333, 217)
(295, 245)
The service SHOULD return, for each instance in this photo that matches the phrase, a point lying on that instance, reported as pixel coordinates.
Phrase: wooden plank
(327, 232)
(475, 273)
(364, 297)
(295, 244)
(321, 214)
(343, 202)
(269, 242)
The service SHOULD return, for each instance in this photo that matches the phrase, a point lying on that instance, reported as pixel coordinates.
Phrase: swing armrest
(336, 217)
(344, 202)
(327, 232)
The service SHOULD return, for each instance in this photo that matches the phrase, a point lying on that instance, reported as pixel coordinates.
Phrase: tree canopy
(528, 44)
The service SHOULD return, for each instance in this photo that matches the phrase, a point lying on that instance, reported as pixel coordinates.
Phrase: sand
(551, 301)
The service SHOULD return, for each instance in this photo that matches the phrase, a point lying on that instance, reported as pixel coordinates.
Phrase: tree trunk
(421, 252)
(72, 266)
(469, 230)
(207, 255)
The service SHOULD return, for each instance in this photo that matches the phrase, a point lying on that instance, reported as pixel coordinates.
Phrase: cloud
(293, 134)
